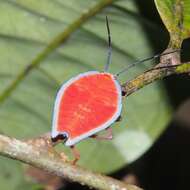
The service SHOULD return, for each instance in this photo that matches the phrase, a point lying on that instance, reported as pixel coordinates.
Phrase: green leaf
(36, 59)
(176, 17)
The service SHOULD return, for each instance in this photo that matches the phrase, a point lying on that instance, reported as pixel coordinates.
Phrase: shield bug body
(88, 103)
(85, 105)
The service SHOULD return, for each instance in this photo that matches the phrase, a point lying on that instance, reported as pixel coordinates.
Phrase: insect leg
(107, 136)
(76, 155)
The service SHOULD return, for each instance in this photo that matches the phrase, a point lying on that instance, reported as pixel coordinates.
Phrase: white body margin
(69, 141)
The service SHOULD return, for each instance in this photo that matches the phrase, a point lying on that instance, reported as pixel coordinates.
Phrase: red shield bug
(88, 103)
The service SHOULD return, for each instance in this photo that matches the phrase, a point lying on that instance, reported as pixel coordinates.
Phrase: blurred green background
(28, 26)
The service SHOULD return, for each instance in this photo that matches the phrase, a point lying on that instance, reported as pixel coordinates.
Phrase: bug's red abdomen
(87, 104)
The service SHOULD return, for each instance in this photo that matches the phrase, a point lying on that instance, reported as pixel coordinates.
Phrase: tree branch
(157, 73)
(51, 162)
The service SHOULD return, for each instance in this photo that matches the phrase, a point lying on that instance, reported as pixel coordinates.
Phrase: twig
(153, 75)
(47, 160)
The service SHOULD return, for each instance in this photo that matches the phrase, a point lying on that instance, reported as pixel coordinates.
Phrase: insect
(88, 103)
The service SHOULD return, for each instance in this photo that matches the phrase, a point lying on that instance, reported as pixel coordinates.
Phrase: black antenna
(109, 47)
(164, 67)
(144, 60)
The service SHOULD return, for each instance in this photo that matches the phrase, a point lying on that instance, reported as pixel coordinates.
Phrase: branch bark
(157, 73)
(52, 162)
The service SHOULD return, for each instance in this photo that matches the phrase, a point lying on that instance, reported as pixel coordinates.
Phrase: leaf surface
(27, 28)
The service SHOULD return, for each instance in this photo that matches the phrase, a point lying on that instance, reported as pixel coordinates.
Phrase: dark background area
(167, 164)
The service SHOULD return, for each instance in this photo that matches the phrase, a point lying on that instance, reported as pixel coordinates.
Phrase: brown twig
(170, 64)
(44, 159)
(153, 75)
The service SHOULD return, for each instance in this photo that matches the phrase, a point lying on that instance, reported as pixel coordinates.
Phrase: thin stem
(152, 75)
